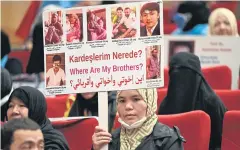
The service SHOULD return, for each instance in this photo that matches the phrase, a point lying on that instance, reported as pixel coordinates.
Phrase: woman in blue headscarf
(191, 18)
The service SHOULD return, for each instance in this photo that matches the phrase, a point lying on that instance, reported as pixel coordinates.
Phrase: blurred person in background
(191, 18)
(21, 134)
(222, 22)
(86, 104)
(5, 48)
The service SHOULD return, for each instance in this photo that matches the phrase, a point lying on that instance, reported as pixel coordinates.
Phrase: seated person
(188, 90)
(6, 86)
(140, 128)
(29, 102)
(222, 22)
(191, 18)
(96, 27)
(21, 134)
(56, 75)
(86, 104)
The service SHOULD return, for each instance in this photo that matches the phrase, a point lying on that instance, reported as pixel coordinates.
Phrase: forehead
(129, 93)
(15, 100)
(27, 135)
(146, 11)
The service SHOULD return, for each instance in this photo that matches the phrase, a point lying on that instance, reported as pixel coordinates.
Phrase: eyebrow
(134, 96)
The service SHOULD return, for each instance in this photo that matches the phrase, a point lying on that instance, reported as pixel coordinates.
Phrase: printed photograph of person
(150, 22)
(123, 22)
(74, 26)
(96, 24)
(55, 74)
(180, 46)
(153, 62)
(53, 27)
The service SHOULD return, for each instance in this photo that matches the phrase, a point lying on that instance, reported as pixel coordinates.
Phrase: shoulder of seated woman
(163, 131)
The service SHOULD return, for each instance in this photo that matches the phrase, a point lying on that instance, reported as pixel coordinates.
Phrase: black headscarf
(91, 105)
(36, 60)
(199, 10)
(81, 104)
(6, 82)
(37, 108)
(5, 44)
(188, 91)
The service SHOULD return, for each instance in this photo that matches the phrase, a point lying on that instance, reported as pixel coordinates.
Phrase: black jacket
(162, 138)
(156, 31)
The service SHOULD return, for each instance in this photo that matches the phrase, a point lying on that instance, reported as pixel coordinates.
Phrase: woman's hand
(100, 138)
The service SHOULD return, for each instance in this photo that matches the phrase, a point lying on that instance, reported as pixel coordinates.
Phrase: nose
(129, 106)
(148, 17)
(16, 109)
(222, 26)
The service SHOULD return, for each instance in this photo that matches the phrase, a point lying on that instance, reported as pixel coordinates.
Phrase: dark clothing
(5, 45)
(188, 91)
(91, 107)
(162, 138)
(6, 83)
(199, 11)
(36, 60)
(14, 66)
(35, 101)
(156, 31)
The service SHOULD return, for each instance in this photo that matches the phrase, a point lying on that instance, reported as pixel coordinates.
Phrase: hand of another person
(100, 138)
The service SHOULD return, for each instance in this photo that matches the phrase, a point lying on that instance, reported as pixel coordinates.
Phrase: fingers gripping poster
(104, 48)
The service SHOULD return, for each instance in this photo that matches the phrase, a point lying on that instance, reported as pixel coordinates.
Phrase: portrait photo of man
(180, 46)
(53, 30)
(150, 25)
(55, 76)
(153, 62)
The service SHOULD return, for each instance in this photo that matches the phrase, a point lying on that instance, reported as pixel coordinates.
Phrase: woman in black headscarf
(29, 102)
(188, 91)
(86, 104)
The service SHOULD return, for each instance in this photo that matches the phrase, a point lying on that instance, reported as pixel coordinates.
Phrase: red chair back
(56, 106)
(166, 78)
(231, 98)
(78, 132)
(231, 131)
(218, 77)
(194, 126)
(162, 93)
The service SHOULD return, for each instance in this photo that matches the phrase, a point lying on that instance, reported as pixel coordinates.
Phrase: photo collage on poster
(136, 26)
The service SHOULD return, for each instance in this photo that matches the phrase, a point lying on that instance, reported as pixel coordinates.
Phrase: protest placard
(103, 48)
(212, 51)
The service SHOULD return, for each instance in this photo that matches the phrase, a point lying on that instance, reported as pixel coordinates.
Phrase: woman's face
(222, 26)
(131, 106)
(16, 109)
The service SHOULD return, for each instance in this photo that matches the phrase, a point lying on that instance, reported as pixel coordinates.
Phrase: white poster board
(89, 49)
(95, 60)
(212, 51)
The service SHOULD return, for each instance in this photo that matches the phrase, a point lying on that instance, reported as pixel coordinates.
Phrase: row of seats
(213, 75)
(56, 106)
(231, 98)
(195, 127)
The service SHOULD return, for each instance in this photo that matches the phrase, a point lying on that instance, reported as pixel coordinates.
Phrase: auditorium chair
(218, 77)
(162, 93)
(231, 98)
(56, 106)
(231, 131)
(194, 126)
(78, 132)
